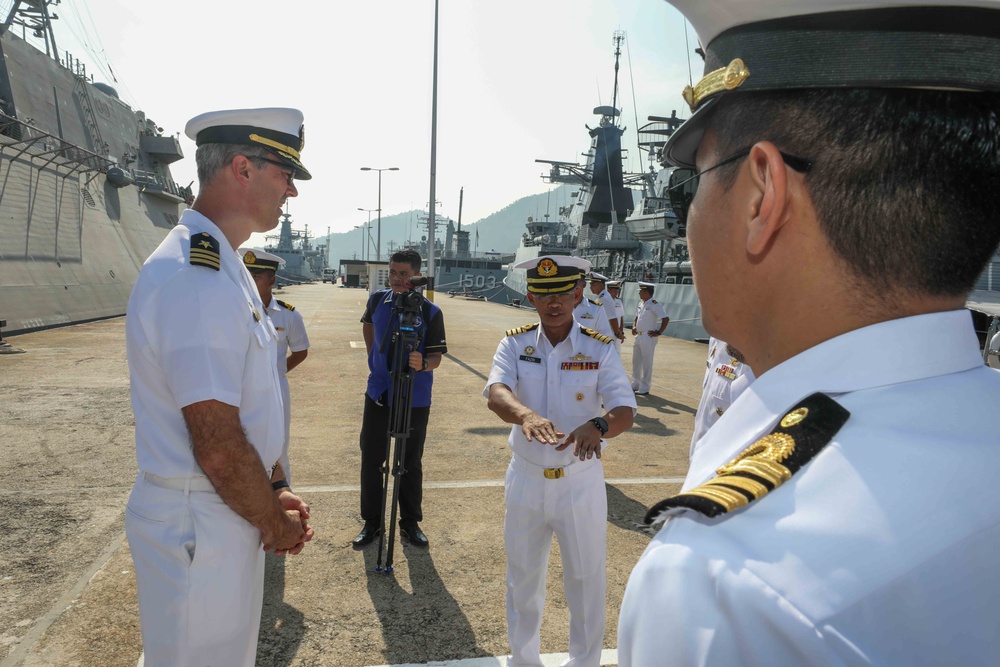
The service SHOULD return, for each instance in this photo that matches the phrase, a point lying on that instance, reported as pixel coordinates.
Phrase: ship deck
(67, 589)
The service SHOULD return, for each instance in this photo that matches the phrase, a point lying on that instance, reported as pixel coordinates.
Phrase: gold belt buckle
(554, 473)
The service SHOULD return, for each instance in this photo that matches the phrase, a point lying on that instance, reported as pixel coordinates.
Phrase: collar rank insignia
(766, 464)
(205, 251)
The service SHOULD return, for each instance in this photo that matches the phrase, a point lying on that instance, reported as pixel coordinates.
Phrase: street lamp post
(378, 243)
(364, 230)
(369, 244)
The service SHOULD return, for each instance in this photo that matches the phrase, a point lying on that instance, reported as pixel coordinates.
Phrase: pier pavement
(67, 590)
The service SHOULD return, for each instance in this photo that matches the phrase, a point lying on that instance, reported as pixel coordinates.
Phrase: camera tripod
(404, 340)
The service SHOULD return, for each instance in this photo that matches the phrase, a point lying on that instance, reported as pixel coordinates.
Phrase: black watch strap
(280, 484)
(601, 423)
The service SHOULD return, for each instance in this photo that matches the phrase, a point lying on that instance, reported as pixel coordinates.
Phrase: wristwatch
(601, 423)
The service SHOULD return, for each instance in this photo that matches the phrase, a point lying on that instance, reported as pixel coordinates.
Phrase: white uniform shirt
(608, 303)
(726, 377)
(291, 331)
(881, 550)
(592, 316)
(195, 334)
(619, 311)
(567, 385)
(649, 316)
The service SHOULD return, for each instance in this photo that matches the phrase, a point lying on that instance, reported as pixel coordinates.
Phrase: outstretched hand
(586, 441)
(536, 427)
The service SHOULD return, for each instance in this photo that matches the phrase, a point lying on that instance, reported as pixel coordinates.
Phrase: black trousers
(374, 434)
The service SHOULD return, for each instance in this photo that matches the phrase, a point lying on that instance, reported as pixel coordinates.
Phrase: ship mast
(34, 15)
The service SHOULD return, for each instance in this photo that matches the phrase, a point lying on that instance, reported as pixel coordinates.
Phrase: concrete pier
(67, 590)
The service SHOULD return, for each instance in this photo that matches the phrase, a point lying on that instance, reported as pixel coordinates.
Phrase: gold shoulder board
(594, 301)
(766, 464)
(520, 330)
(286, 306)
(595, 335)
(205, 251)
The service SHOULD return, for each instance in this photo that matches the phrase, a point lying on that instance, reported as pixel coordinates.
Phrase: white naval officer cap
(255, 258)
(644, 285)
(279, 130)
(774, 45)
(552, 274)
(614, 283)
(594, 275)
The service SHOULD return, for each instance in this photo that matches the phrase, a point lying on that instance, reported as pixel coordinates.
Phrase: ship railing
(19, 140)
(152, 181)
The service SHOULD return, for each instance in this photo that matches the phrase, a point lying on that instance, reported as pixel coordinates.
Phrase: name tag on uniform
(534, 360)
(580, 365)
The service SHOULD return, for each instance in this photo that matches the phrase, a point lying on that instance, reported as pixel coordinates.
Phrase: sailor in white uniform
(841, 511)
(590, 312)
(207, 404)
(288, 324)
(650, 321)
(615, 290)
(598, 285)
(727, 375)
(550, 379)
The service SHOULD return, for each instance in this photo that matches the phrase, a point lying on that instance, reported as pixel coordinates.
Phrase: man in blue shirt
(378, 325)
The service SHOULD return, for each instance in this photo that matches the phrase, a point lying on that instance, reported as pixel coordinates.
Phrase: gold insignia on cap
(725, 78)
(794, 417)
(579, 397)
(249, 258)
(736, 74)
(530, 349)
(547, 268)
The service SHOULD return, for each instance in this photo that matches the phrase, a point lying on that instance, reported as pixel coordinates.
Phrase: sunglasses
(290, 176)
(683, 183)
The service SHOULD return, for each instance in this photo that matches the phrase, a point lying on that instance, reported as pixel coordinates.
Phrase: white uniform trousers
(642, 361)
(286, 402)
(199, 571)
(618, 346)
(575, 508)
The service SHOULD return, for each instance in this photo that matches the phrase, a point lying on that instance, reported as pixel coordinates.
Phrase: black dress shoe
(366, 536)
(414, 535)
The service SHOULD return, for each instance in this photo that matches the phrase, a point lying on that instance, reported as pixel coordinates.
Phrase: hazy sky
(517, 80)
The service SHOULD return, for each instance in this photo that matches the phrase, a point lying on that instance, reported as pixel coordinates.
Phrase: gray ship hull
(72, 240)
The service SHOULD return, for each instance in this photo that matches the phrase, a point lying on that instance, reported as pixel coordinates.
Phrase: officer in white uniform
(615, 290)
(840, 511)
(289, 325)
(598, 284)
(207, 404)
(549, 380)
(650, 321)
(727, 375)
(590, 312)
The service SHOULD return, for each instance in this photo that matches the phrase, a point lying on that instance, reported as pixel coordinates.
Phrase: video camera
(407, 304)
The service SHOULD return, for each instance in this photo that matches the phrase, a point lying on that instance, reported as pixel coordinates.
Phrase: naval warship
(86, 192)
(603, 224)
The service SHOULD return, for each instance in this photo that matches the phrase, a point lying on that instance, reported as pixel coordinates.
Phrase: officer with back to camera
(207, 402)
(840, 512)
(550, 380)
(293, 342)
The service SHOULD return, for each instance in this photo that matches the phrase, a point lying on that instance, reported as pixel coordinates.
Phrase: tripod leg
(385, 493)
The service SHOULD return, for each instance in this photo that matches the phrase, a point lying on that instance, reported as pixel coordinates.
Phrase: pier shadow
(426, 624)
(625, 512)
(281, 624)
